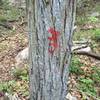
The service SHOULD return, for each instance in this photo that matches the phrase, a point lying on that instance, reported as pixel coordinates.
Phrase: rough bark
(49, 71)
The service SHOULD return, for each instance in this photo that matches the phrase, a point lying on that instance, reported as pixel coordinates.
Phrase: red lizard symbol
(53, 44)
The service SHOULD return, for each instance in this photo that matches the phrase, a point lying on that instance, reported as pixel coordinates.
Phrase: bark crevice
(49, 72)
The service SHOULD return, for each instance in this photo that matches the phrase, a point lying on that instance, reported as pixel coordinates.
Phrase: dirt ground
(11, 42)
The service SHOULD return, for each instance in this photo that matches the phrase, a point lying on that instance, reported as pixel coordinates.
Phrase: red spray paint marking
(53, 44)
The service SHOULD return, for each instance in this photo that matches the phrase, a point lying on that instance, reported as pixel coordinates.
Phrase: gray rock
(22, 57)
(95, 14)
(12, 97)
(70, 97)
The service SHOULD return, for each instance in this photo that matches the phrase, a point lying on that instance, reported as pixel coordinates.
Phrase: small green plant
(93, 19)
(4, 4)
(7, 86)
(80, 20)
(75, 66)
(9, 12)
(20, 74)
(97, 35)
(96, 74)
(19, 85)
(86, 82)
(13, 14)
(87, 86)
(22, 80)
(3, 18)
(92, 33)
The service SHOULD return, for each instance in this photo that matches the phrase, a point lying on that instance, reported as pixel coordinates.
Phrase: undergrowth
(19, 84)
(87, 82)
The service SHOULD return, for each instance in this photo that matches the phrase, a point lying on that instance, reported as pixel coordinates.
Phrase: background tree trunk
(49, 70)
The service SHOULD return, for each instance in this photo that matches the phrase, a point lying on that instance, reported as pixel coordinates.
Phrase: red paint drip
(53, 44)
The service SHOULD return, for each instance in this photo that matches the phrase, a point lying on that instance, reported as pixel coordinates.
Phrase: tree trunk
(50, 25)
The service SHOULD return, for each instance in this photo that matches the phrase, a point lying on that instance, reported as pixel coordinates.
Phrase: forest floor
(84, 81)
(11, 42)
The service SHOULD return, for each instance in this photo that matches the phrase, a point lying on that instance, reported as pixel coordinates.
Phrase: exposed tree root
(91, 54)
